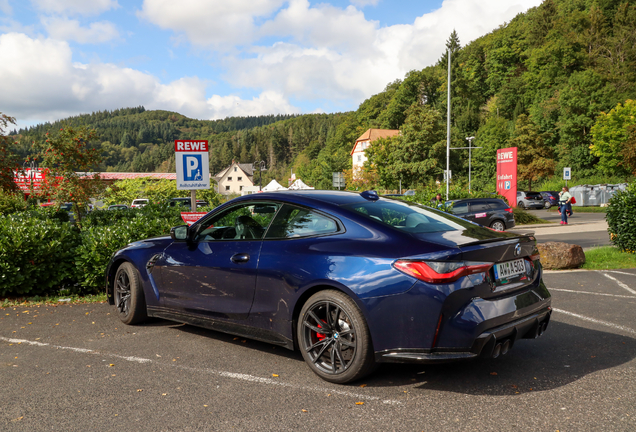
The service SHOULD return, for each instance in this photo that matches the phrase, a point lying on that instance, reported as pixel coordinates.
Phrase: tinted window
(294, 221)
(479, 207)
(407, 217)
(459, 208)
(498, 204)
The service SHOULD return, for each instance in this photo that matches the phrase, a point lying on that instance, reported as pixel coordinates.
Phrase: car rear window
(408, 217)
(533, 195)
(479, 207)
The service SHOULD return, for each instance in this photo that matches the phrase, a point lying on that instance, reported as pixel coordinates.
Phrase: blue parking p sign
(507, 185)
(192, 167)
(192, 164)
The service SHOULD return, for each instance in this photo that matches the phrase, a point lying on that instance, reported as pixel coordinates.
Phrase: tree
(8, 160)
(534, 157)
(609, 135)
(68, 159)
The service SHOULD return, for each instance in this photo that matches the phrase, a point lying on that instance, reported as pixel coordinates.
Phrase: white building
(358, 155)
(233, 179)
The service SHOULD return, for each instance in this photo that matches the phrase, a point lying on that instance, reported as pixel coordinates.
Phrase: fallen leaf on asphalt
(17, 419)
(205, 406)
(164, 394)
(304, 410)
(514, 386)
(363, 385)
(243, 341)
(111, 365)
(493, 373)
(157, 355)
(113, 375)
(274, 375)
(139, 390)
(235, 338)
(359, 403)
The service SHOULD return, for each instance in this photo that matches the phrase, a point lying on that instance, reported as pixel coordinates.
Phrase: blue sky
(210, 59)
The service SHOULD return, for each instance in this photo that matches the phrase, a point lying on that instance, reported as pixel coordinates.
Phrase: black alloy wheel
(129, 296)
(334, 338)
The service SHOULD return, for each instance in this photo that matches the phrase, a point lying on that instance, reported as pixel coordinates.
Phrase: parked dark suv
(490, 212)
(530, 200)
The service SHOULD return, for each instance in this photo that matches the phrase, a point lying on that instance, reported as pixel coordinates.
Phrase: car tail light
(509, 210)
(441, 271)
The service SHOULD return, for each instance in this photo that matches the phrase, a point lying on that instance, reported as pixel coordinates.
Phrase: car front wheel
(498, 225)
(334, 339)
(129, 295)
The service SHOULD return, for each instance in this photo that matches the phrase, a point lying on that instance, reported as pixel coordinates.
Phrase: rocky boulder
(557, 255)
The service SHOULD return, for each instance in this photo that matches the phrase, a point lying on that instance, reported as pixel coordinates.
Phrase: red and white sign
(196, 146)
(507, 174)
(30, 177)
(192, 217)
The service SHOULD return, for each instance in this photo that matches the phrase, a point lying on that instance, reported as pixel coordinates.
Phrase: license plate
(509, 269)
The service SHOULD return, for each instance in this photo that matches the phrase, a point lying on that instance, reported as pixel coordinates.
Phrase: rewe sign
(507, 174)
(193, 166)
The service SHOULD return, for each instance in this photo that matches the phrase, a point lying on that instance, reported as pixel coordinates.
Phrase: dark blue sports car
(351, 280)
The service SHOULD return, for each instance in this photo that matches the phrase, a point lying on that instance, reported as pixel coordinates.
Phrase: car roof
(309, 197)
(469, 200)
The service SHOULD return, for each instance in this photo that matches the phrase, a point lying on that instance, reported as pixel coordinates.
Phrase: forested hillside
(549, 82)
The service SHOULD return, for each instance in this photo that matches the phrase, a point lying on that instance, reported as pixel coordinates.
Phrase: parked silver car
(529, 200)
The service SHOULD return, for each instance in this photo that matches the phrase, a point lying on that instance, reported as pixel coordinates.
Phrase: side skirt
(255, 333)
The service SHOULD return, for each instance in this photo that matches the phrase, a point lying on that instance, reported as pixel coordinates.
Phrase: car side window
(241, 222)
(479, 207)
(459, 208)
(292, 222)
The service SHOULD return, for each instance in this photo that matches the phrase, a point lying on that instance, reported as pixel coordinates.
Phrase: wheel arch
(110, 277)
(302, 299)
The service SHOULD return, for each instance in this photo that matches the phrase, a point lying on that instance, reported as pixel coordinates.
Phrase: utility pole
(448, 127)
(470, 148)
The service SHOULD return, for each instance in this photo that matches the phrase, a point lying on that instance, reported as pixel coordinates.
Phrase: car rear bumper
(490, 343)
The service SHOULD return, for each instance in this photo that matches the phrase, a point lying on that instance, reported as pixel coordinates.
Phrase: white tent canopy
(299, 184)
(273, 186)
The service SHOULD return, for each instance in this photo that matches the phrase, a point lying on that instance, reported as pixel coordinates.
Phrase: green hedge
(36, 255)
(621, 219)
(41, 252)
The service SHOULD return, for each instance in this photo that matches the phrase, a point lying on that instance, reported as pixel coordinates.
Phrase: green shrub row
(621, 219)
(41, 252)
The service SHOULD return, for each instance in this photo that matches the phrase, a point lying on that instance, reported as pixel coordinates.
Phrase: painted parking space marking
(619, 283)
(593, 293)
(619, 272)
(594, 320)
(224, 374)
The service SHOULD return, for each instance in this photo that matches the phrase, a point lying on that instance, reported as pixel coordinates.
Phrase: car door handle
(240, 258)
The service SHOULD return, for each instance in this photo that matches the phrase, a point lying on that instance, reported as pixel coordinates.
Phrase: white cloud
(39, 82)
(336, 54)
(66, 29)
(218, 23)
(71, 7)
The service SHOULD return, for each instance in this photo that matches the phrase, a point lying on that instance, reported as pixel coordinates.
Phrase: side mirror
(180, 233)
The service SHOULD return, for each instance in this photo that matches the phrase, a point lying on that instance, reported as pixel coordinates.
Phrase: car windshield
(408, 217)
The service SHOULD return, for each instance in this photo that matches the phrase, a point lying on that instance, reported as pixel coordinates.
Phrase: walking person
(564, 204)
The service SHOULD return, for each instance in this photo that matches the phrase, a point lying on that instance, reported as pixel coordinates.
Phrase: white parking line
(619, 272)
(619, 283)
(592, 293)
(604, 323)
(224, 374)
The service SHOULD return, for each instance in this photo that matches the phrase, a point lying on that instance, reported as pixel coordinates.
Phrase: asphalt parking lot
(77, 368)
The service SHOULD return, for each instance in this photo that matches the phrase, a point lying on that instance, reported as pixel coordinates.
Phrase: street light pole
(448, 128)
(261, 167)
(470, 148)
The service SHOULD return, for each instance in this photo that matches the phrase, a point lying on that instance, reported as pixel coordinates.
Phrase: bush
(36, 254)
(524, 217)
(621, 220)
(11, 202)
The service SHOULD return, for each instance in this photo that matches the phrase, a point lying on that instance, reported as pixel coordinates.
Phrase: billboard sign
(193, 165)
(507, 174)
(30, 177)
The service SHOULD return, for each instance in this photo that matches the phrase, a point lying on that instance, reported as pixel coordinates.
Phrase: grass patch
(52, 300)
(581, 209)
(608, 257)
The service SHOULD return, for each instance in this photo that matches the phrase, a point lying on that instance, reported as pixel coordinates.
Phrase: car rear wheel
(547, 205)
(521, 205)
(334, 339)
(129, 296)
(498, 225)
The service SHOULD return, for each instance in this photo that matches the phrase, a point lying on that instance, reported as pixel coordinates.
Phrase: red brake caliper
(321, 336)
